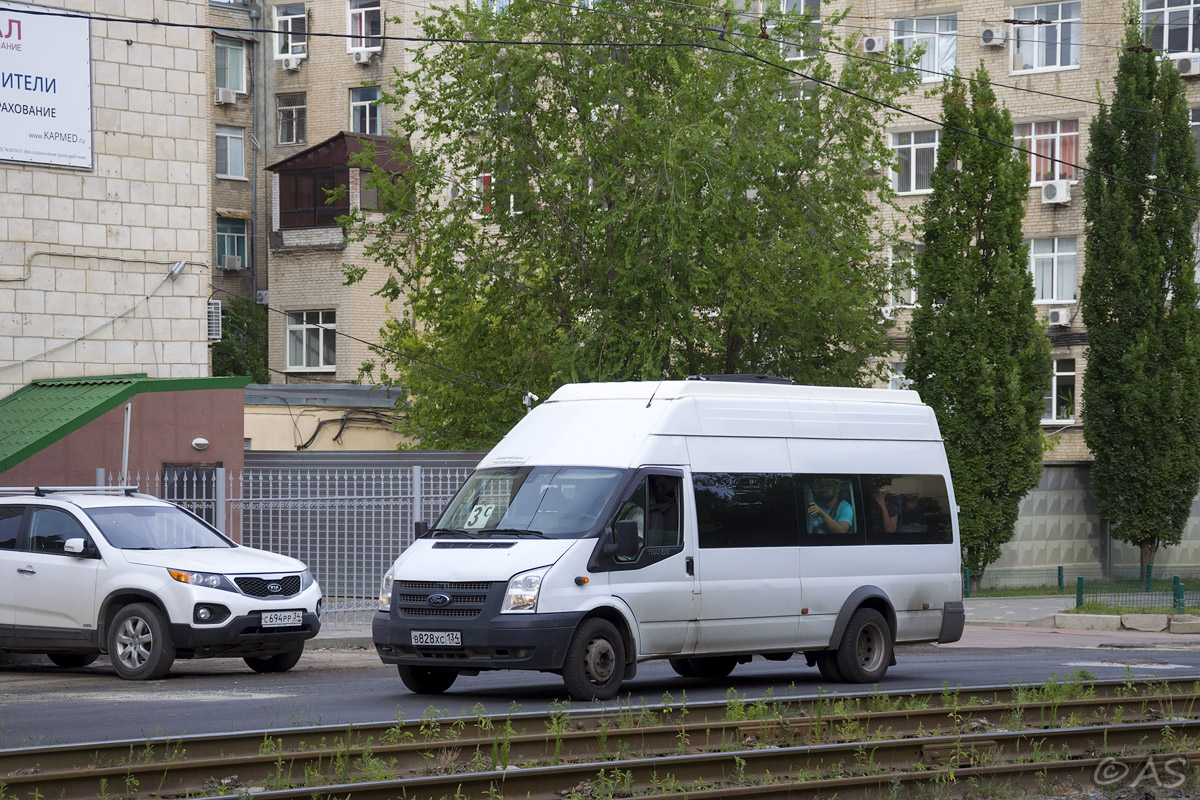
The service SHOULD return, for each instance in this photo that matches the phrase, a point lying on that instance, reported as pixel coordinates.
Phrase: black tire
(280, 662)
(713, 667)
(72, 660)
(427, 680)
(866, 648)
(683, 667)
(827, 664)
(139, 646)
(595, 662)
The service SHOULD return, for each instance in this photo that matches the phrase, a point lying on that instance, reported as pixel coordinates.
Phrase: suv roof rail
(42, 491)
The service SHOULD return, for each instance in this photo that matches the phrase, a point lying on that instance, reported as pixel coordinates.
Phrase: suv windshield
(154, 528)
(529, 501)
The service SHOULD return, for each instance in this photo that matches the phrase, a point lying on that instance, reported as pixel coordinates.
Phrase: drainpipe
(258, 86)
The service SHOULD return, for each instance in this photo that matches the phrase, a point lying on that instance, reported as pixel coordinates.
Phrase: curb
(341, 641)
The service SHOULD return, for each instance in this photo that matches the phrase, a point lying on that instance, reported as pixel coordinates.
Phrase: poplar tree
(1141, 391)
(977, 354)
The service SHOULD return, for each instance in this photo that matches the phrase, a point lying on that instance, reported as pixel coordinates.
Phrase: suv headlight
(306, 579)
(522, 594)
(209, 580)
(385, 592)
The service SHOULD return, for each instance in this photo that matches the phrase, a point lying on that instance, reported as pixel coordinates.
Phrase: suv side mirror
(79, 547)
(625, 539)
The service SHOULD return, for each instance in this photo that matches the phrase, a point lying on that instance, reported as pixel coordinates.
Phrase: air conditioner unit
(214, 320)
(363, 56)
(261, 297)
(873, 44)
(1059, 317)
(992, 36)
(1056, 192)
(231, 262)
(888, 313)
(225, 97)
(290, 63)
(1188, 66)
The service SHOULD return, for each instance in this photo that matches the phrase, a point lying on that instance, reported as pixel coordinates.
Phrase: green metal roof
(38, 415)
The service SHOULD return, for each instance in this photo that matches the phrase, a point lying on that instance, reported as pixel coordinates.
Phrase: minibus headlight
(522, 594)
(385, 592)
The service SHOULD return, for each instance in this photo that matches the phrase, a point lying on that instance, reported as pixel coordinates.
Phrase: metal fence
(347, 523)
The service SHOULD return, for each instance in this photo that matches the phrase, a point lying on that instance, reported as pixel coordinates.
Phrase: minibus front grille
(463, 599)
(443, 586)
(445, 599)
(461, 613)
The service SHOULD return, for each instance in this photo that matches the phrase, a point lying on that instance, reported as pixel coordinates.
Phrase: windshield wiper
(519, 532)
(433, 533)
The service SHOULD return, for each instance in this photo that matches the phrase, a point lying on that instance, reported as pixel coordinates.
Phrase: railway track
(709, 747)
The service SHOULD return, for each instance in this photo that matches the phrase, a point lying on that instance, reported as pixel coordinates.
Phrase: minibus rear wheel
(595, 663)
(713, 667)
(866, 648)
(683, 667)
(427, 680)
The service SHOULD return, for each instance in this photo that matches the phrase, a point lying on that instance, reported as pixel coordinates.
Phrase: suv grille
(286, 586)
(467, 599)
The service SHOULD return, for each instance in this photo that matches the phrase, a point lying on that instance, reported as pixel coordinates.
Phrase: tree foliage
(1142, 381)
(977, 354)
(611, 212)
(243, 346)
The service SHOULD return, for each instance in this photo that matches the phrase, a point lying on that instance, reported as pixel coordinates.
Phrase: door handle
(27, 570)
(689, 564)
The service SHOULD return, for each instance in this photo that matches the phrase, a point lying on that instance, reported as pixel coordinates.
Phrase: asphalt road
(41, 704)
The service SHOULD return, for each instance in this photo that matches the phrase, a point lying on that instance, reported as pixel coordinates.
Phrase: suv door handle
(27, 570)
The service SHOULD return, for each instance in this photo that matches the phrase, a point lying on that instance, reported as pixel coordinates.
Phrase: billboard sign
(45, 87)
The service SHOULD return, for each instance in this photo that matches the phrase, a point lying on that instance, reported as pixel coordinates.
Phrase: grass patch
(1021, 591)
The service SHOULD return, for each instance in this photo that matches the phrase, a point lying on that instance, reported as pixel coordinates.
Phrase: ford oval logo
(274, 588)
(438, 600)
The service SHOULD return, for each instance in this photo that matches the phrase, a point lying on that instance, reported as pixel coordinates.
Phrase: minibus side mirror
(626, 539)
(420, 528)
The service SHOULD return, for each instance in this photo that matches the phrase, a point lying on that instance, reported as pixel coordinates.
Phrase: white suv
(146, 582)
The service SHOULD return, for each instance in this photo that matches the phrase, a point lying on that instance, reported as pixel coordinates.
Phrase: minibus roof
(669, 390)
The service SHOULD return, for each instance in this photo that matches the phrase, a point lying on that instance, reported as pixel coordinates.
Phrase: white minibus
(700, 521)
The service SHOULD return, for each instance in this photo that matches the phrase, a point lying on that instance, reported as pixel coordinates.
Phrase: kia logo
(274, 588)
(438, 600)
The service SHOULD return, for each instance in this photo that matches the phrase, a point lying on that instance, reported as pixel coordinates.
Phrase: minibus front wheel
(595, 662)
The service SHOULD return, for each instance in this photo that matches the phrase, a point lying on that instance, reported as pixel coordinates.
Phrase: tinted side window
(49, 529)
(907, 509)
(745, 509)
(831, 509)
(10, 526)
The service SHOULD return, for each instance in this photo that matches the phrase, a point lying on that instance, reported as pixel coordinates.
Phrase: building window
(496, 6)
(916, 156)
(1054, 148)
(291, 117)
(231, 64)
(1168, 25)
(901, 259)
(1196, 129)
(291, 25)
(231, 241)
(897, 379)
(304, 198)
(1060, 401)
(1053, 43)
(938, 36)
(231, 152)
(800, 43)
(312, 339)
(364, 110)
(364, 24)
(1052, 262)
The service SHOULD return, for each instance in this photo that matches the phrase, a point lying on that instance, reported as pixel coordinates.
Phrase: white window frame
(790, 51)
(360, 38)
(896, 379)
(290, 43)
(298, 120)
(321, 323)
(231, 51)
(1158, 18)
(1036, 36)
(904, 297)
(913, 147)
(369, 108)
(1052, 414)
(233, 139)
(1055, 257)
(1048, 145)
(232, 243)
(940, 43)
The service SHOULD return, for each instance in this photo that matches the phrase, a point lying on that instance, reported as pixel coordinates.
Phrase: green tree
(1142, 382)
(243, 346)
(607, 212)
(977, 353)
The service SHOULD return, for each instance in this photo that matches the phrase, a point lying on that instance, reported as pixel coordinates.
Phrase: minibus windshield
(529, 502)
